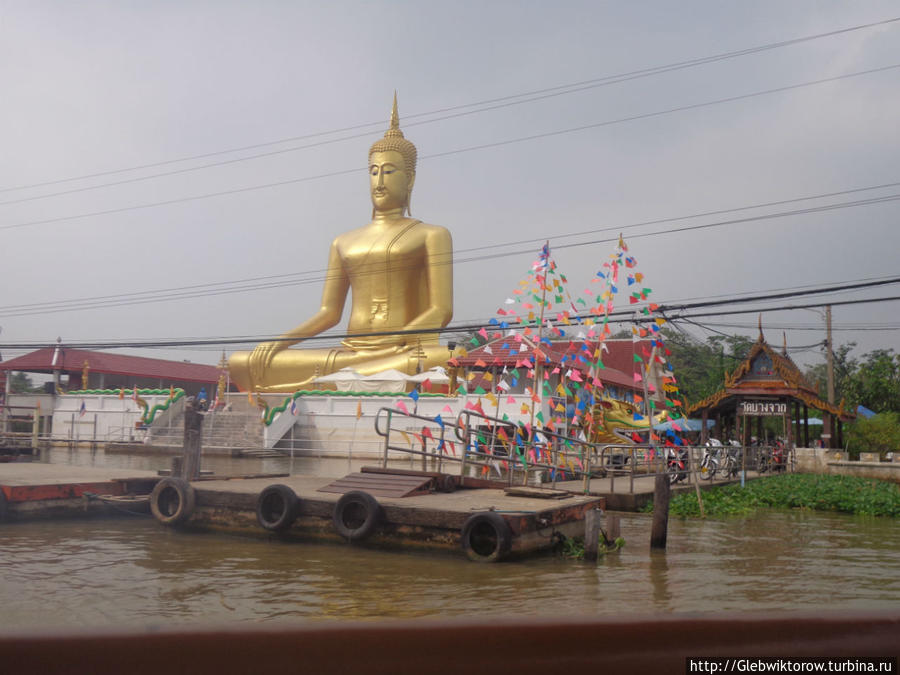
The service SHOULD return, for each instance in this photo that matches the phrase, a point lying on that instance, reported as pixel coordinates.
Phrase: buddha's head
(392, 168)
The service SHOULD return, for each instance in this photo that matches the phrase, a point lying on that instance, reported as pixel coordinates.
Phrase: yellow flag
(358, 409)
(249, 397)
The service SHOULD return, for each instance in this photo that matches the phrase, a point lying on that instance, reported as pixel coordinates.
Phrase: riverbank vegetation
(844, 494)
(573, 547)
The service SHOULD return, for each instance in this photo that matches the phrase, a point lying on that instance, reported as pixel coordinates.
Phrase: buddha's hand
(261, 358)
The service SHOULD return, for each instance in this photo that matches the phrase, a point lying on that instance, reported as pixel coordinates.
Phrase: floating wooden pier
(399, 510)
(395, 510)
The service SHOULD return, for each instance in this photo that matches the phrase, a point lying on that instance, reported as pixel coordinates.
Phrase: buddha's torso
(386, 266)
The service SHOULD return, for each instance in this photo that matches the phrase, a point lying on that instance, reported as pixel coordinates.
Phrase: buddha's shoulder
(427, 229)
(408, 226)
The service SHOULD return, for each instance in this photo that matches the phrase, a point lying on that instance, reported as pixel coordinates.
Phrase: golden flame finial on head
(394, 140)
(395, 118)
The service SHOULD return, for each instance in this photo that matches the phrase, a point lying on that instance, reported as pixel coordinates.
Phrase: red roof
(72, 360)
(618, 356)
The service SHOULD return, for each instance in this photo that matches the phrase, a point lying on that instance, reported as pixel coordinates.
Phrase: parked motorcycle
(779, 457)
(677, 463)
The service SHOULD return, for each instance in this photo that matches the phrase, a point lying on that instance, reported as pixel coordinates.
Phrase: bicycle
(710, 462)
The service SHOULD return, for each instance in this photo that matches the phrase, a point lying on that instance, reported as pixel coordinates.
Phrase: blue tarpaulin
(683, 424)
(864, 411)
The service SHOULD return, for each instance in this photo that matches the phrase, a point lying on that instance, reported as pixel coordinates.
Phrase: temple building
(80, 369)
(768, 384)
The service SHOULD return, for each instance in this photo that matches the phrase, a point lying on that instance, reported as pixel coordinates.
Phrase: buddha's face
(389, 181)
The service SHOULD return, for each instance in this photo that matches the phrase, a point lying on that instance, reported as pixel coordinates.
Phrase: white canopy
(437, 375)
(347, 379)
(343, 375)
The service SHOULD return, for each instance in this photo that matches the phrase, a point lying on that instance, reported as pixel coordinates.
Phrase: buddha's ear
(409, 187)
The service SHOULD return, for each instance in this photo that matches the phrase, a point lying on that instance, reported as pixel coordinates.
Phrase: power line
(620, 316)
(134, 299)
(290, 278)
(533, 95)
(259, 283)
(789, 307)
(848, 327)
(457, 151)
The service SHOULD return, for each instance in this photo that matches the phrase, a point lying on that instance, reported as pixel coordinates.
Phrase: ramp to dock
(381, 484)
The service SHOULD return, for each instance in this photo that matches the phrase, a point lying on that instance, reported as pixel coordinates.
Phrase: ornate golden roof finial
(761, 337)
(784, 334)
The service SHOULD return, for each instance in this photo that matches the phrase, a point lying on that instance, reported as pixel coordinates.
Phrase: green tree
(880, 434)
(700, 366)
(872, 381)
(20, 383)
(876, 381)
(844, 369)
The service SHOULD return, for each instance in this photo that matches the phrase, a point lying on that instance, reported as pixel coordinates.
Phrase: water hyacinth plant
(844, 494)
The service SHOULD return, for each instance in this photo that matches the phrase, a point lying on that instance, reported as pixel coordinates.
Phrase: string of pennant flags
(541, 309)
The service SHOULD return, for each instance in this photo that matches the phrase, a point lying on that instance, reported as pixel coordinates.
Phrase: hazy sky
(105, 87)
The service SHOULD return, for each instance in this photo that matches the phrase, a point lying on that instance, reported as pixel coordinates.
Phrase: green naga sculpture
(614, 422)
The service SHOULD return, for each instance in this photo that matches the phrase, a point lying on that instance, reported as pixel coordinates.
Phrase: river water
(135, 572)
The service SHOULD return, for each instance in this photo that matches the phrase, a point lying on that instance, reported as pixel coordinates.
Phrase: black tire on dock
(486, 537)
(172, 501)
(356, 515)
(277, 508)
(446, 483)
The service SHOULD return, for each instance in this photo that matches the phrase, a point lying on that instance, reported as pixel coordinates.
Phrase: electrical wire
(616, 317)
(473, 148)
(529, 96)
(278, 281)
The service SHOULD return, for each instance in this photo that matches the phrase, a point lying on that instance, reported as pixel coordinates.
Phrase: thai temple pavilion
(769, 384)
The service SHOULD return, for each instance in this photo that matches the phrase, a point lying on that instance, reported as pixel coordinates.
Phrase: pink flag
(400, 405)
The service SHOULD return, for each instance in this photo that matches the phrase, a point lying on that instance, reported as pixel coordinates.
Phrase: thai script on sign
(762, 408)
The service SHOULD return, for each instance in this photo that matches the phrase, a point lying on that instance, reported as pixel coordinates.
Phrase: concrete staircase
(238, 428)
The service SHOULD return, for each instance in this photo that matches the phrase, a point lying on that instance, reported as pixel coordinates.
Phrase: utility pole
(829, 354)
(829, 430)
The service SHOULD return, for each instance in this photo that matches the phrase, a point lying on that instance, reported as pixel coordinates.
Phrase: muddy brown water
(135, 572)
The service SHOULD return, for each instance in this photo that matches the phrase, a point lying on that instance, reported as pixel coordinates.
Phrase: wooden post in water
(193, 430)
(591, 533)
(696, 482)
(35, 427)
(613, 528)
(660, 526)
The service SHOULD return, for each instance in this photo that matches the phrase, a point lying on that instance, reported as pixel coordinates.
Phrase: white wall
(106, 417)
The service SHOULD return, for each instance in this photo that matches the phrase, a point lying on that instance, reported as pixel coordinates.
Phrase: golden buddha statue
(400, 274)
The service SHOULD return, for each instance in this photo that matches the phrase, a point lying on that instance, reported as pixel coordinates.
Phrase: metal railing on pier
(500, 449)
(690, 464)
